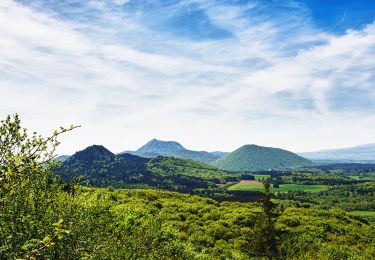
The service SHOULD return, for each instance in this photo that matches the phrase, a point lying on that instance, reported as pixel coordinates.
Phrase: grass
(260, 177)
(370, 215)
(283, 187)
(365, 178)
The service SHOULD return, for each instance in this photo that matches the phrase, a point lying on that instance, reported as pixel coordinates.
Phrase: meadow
(283, 187)
(363, 178)
(260, 177)
(370, 215)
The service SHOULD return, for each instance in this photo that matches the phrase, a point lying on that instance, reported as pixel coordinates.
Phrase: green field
(365, 178)
(260, 177)
(283, 187)
(366, 214)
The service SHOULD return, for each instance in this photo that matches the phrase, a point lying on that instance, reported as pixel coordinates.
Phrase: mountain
(93, 153)
(199, 156)
(357, 154)
(219, 154)
(253, 157)
(160, 147)
(62, 158)
(156, 148)
(97, 166)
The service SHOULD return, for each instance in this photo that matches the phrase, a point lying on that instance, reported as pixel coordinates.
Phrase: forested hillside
(97, 166)
(146, 224)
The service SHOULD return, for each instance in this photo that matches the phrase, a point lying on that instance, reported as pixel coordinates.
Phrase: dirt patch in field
(249, 182)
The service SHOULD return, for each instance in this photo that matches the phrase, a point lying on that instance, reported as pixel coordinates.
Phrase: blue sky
(341, 15)
(213, 75)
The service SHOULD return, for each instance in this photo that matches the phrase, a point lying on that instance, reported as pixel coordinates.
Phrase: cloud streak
(125, 71)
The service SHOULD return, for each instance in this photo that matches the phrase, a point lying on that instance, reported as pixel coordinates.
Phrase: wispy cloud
(211, 75)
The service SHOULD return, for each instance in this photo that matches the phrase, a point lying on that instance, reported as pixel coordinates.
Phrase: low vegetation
(284, 188)
(42, 217)
(369, 215)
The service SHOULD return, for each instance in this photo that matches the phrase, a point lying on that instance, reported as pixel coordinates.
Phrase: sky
(212, 75)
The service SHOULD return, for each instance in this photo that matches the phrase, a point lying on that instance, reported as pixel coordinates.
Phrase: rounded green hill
(254, 157)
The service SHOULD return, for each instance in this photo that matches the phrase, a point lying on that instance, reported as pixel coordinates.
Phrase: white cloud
(121, 2)
(126, 82)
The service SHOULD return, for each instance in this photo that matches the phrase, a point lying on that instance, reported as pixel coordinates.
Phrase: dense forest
(45, 215)
(97, 166)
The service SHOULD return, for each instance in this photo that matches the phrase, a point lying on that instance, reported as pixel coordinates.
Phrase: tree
(265, 238)
(28, 189)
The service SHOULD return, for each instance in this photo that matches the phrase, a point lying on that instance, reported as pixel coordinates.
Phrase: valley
(311, 184)
(98, 204)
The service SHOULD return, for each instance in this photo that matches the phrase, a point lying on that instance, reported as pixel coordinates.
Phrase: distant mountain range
(357, 154)
(245, 158)
(254, 157)
(220, 154)
(156, 148)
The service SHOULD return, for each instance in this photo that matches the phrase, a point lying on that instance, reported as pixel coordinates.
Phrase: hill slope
(205, 229)
(62, 158)
(220, 154)
(361, 153)
(99, 167)
(160, 147)
(156, 148)
(253, 157)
